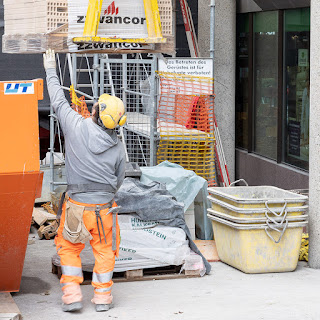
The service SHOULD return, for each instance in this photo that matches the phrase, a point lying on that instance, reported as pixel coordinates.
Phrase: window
(242, 91)
(273, 80)
(265, 81)
(297, 85)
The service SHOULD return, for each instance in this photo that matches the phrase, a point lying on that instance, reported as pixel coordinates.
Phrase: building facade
(271, 90)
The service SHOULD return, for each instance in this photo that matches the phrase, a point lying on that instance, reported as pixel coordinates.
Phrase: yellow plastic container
(257, 197)
(255, 220)
(249, 248)
(254, 212)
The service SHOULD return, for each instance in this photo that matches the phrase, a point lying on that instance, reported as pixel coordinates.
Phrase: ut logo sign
(18, 88)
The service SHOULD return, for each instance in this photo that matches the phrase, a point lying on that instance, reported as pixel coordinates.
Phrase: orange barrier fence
(186, 123)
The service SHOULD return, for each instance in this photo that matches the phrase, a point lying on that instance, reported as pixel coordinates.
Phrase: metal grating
(133, 80)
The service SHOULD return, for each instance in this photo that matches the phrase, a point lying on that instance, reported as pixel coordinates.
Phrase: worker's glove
(49, 59)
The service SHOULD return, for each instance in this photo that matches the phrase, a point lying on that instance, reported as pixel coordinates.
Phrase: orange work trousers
(70, 259)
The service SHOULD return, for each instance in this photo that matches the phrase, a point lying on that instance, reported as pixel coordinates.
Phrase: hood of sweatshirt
(98, 140)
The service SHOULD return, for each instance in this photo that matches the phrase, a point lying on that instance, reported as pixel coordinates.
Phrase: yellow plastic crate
(256, 197)
(249, 248)
(254, 212)
(257, 219)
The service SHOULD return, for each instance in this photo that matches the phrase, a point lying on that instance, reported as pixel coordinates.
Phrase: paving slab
(224, 294)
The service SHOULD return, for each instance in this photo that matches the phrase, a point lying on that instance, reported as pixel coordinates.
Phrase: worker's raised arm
(68, 118)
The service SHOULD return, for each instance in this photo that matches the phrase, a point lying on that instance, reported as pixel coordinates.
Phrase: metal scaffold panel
(134, 81)
(131, 79)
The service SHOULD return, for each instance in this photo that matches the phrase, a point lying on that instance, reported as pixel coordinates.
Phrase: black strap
(105, 206)
(63, 195)
(98, 216)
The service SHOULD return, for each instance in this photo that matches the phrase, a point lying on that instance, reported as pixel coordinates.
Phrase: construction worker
(95, 169)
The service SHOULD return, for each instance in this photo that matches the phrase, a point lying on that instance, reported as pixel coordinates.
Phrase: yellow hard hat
(111, 111)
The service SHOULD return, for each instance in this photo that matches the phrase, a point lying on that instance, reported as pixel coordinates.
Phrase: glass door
(265, 82)
(297, 85)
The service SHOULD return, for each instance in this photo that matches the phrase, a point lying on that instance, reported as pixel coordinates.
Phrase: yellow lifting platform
(93, 18)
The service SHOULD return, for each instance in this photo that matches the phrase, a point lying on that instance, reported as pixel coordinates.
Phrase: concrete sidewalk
(224, 294)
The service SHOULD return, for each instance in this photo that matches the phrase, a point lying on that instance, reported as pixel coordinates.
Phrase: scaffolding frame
(134, 80)
(123, 77)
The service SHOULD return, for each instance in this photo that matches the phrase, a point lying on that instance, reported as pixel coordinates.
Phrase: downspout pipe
(212, 22)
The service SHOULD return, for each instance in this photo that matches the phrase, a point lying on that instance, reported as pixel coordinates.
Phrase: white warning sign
(188, 66)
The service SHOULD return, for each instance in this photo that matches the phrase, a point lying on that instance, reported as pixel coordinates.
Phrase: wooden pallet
(208, 249)
(8, 308)
(38, 43)
(160, 273)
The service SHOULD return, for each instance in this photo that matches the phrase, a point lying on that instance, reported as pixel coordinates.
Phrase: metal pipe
(82, 85)
(85, 70)
(137, 86)
(79, 92)
(70, 67)
(102, 72)
(74, 68)
(136, 93)
(51, 149)
(153, 117)
(124, 99)
(174, 24)
(212, 22)
(95, 77)
(89, 72)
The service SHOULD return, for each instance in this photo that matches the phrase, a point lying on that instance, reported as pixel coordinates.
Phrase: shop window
(297, 87)
(273, 85)
(265, 82)
(242, 96)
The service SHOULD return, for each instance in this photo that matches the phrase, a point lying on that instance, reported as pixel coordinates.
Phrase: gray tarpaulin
(153, 202)
(186, 187)
(183, 184)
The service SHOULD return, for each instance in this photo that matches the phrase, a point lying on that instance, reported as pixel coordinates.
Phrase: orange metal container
(20, 176)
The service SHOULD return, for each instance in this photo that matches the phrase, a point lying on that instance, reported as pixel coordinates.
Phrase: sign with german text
(188, 66)
(196, 67)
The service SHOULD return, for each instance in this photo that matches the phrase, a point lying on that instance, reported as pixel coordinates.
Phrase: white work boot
(72, 298)
(102, 302)
(102, 307)
(72, 307)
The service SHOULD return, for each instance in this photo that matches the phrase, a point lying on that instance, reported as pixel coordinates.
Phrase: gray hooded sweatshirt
(93, 154)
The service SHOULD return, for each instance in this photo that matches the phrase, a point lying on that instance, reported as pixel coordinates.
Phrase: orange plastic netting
(186, 123)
